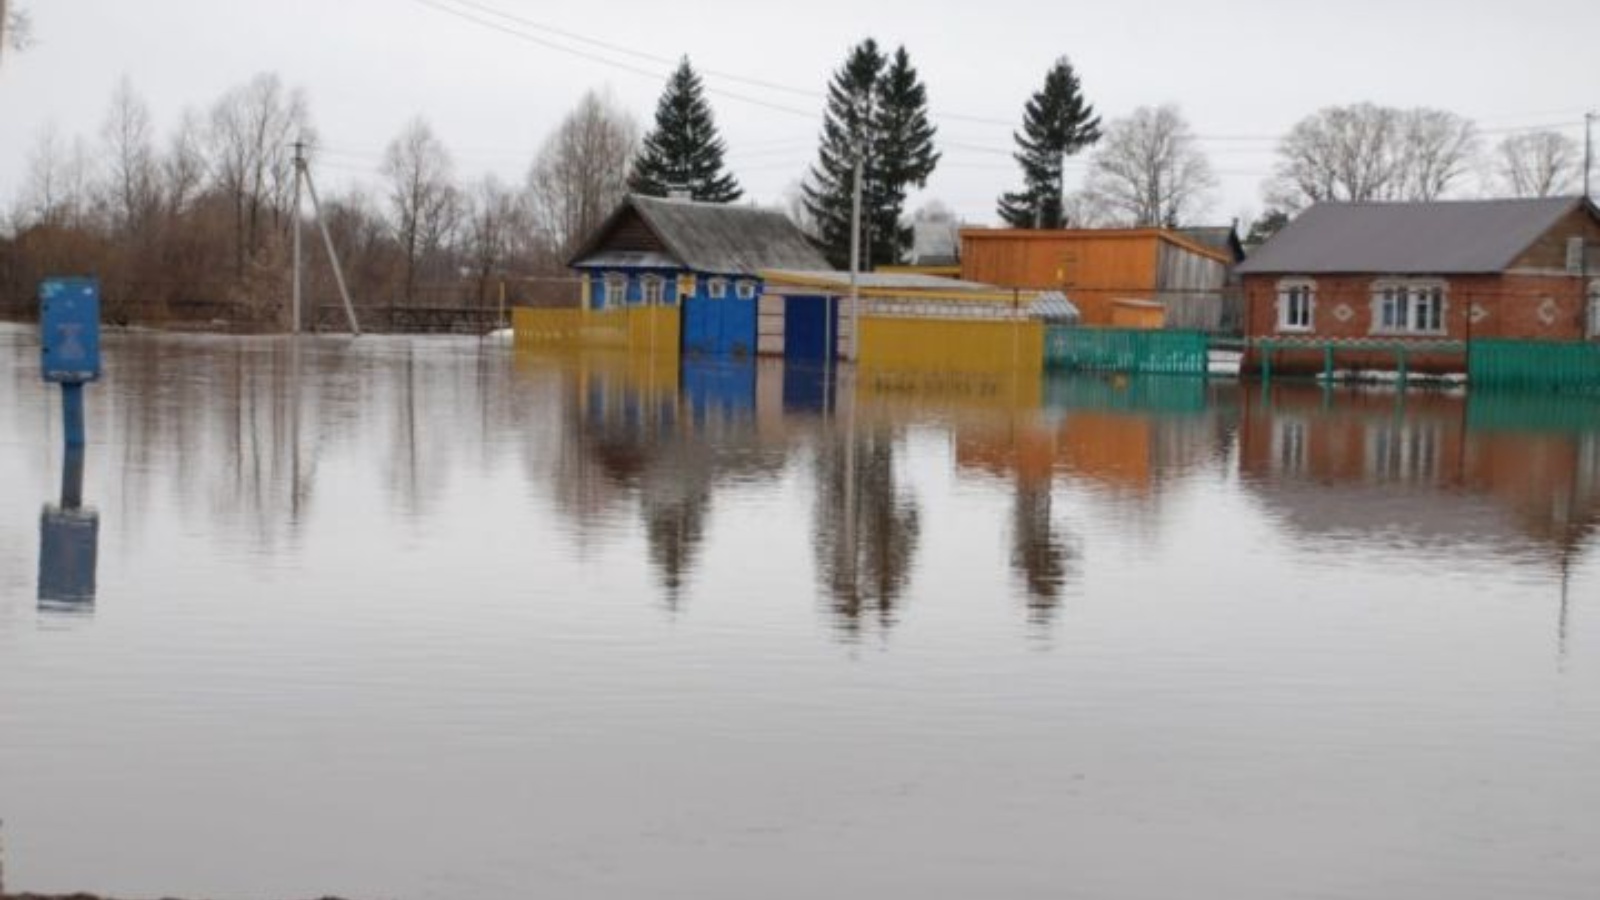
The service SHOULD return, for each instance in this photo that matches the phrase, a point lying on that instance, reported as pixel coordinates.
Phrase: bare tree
(132, 177)
(183, 168)
(56, 192)
(496, 223)
(581, 173)
(1366, 152)
(252, 128)
(422, 191)
(1149, 169)
(1436, 149)
(1539, 164)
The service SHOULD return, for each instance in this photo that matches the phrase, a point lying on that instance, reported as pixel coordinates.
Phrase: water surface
(423, 618)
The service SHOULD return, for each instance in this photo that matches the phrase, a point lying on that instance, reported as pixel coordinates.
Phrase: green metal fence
(1535, 365)
(1127, 350)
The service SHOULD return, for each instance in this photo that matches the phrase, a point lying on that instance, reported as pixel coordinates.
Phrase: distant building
(1113, 276)
(703, 258)
(1344, 275)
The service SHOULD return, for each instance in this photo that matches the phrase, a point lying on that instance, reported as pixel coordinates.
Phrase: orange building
(1111, 275)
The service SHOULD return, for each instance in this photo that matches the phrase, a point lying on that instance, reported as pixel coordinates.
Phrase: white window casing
(615, 290)
(717, 288)
(653, 289)
(1410, 306)
(747, 290)
(1297, 305)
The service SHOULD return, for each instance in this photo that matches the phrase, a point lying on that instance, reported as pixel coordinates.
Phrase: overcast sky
(1243, 72)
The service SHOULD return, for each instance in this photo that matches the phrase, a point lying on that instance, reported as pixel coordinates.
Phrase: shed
(1097, 267)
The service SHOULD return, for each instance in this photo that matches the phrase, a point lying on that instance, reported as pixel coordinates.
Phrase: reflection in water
(866, 526)
(69, 545)
(1298, 622)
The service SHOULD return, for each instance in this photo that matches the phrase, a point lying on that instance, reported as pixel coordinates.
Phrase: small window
(747, 290)
(717, 288)
(1594, 309)
(653, 288)
(1296, 300)
(616, 291)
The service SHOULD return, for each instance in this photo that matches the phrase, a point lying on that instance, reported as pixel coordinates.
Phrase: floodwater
(425, 619)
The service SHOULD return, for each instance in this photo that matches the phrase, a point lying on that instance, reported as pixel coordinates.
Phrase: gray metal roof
(1439, 238)
(713, 237)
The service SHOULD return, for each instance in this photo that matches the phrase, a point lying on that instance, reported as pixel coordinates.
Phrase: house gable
(1549, 254)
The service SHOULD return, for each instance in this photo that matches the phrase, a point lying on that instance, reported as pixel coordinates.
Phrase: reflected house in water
(1426, 468)
(1125, 439)
(669, 438)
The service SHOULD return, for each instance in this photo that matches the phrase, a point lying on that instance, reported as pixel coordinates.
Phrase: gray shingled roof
(1440, 238)
(714, 237)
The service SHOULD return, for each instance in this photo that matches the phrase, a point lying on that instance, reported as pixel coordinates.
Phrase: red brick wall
(1508, 306)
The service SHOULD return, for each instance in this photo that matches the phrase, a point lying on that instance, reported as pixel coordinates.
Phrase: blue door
(810, 329)
(719, 327)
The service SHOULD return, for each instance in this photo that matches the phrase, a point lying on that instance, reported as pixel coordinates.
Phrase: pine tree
(684, 152)
(1056, 124)
(881, 108)
(905, 157)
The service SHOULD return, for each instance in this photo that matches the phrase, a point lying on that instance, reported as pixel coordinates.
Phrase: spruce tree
(905, 157)
(683, 152)
(1056, 124)
(879, 106)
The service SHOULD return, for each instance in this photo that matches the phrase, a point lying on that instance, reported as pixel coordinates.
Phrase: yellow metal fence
(652, 330)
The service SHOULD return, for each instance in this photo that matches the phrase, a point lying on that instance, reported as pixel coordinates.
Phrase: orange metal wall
(1094, 268)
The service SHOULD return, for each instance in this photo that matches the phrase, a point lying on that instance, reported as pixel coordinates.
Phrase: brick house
(1367, 278)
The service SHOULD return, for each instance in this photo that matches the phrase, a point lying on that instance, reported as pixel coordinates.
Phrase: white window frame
(717, 288)
(652, 290)
(1290, 292)
(1411, 298)
(746, 290)
(1594, 308)
(615, 287)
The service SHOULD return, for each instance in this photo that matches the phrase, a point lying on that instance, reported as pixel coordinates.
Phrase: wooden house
(704, 259)
(1111, 275)
(1365, 285)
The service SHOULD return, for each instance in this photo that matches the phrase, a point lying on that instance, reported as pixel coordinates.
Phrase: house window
(1407, 453)
(1594, 309)
(1408, 307)
(616, 290)
(1296, 303)
(1289, 446)
(717, 288)
(654, 288)
(747, 290)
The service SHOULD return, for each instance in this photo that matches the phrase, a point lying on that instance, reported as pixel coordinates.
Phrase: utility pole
(855, 259)
(1588, 152)
(304, 171)
(299, 165)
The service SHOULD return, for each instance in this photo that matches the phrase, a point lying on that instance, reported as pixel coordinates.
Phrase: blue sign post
(69, 337)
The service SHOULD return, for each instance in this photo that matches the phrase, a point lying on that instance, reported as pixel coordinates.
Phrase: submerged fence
(1129, 351)
(1535, 365)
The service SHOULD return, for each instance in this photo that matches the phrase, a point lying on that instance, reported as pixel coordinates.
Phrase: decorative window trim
(746, 290)
(687, 285)
(717, 288)
(1288, 290)
(1411, 294)
(1594, 308)
(614, 287)
(652, 290)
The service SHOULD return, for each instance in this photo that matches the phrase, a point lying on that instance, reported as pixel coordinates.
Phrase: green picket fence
(1127, 350)
(1535, 365)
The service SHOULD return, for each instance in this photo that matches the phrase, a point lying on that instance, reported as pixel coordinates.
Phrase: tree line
(203, 213)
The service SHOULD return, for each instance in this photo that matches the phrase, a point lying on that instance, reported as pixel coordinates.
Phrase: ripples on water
(423, 618)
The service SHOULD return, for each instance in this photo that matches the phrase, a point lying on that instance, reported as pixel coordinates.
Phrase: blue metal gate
(719, 327)
(810, 329)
